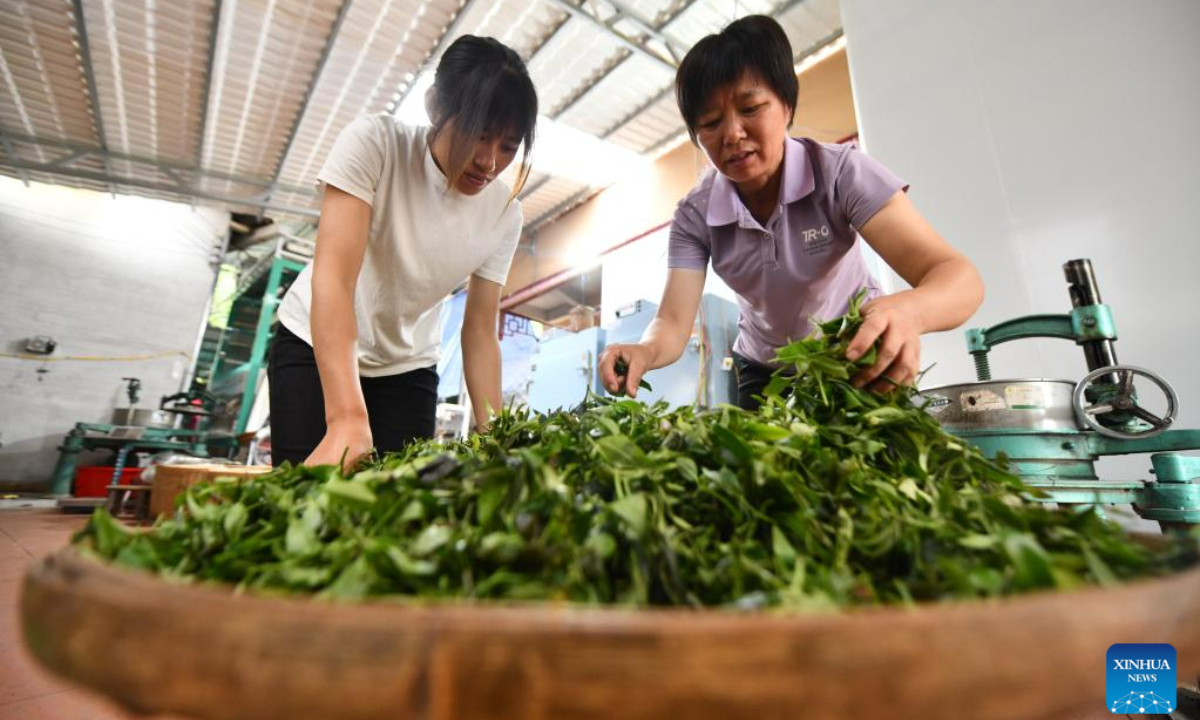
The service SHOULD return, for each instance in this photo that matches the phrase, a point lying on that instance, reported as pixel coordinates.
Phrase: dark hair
(481, 83)
(753, 44)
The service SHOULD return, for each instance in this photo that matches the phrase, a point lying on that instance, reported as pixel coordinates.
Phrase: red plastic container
(93, 481)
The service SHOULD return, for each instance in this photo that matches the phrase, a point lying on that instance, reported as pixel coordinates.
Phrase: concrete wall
(1036, 132)
(106, 278)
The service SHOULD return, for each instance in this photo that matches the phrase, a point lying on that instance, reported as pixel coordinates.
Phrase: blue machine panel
(719, 320)
(564, 367)
(700, 376)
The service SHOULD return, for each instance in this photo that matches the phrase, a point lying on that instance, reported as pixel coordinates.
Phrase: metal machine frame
(279, 268)
(1057, 455)
(124, 440)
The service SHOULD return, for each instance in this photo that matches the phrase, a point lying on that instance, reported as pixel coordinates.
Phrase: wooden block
(171, 480)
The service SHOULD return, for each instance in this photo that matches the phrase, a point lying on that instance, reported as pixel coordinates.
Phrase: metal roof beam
(549, 36)
(646, 27)
(208, 71)
(622, 11)
(85, 54)
(583, 92)
(151, 162)
(11, 152)
(69, 158)
(612, 68)
(607, 27)
(159, 187)
(185, 187)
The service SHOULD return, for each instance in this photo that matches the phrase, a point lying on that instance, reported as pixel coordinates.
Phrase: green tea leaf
(301, 539)
(354, 582)
(349, 491)
(409, 566)
(781, 547)
(620, 450)
(1031, 566)
(431, 539)
(235, 520)
(111, 536)
(632, 509)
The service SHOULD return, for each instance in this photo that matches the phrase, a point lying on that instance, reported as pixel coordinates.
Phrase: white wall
(1036, 132)
(104, 277)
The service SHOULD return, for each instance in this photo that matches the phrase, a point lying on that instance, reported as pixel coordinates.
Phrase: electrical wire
(97, 358)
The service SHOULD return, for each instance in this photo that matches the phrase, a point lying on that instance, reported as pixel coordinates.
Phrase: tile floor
(27, 692)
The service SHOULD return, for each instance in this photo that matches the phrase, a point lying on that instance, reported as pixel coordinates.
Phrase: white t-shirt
(423, 243)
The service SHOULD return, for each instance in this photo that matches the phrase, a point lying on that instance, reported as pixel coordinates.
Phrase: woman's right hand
(350, 439)
(637, 359)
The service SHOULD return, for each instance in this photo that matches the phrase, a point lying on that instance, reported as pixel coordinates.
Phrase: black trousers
(401, 407)
(752, 378)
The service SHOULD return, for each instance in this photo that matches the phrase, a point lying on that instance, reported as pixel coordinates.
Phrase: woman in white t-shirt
(408, 214)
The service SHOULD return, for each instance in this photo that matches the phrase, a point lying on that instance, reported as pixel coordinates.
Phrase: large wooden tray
(154, 647)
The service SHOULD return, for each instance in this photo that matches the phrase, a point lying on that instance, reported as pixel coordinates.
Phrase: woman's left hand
(894, 320)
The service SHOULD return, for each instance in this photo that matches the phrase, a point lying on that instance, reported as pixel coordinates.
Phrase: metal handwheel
(1125, 401)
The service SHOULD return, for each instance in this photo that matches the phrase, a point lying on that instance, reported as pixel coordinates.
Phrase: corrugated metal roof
(623, 92)
(266, 58)
(43, 92)
(149, 65)
(569, 61)
(523, 25)
(237, 102)
(380, 44)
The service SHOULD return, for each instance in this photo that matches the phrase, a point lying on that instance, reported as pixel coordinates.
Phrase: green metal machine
(133, 431)
(123, 440)
(233, 357)
(1054, 431)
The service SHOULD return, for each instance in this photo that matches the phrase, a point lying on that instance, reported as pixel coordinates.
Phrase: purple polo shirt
(804, 263)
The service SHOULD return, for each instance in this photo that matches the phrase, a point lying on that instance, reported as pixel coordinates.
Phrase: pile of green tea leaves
(827, 496)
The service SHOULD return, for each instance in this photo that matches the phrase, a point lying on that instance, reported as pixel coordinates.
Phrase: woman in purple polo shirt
(780, 220)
